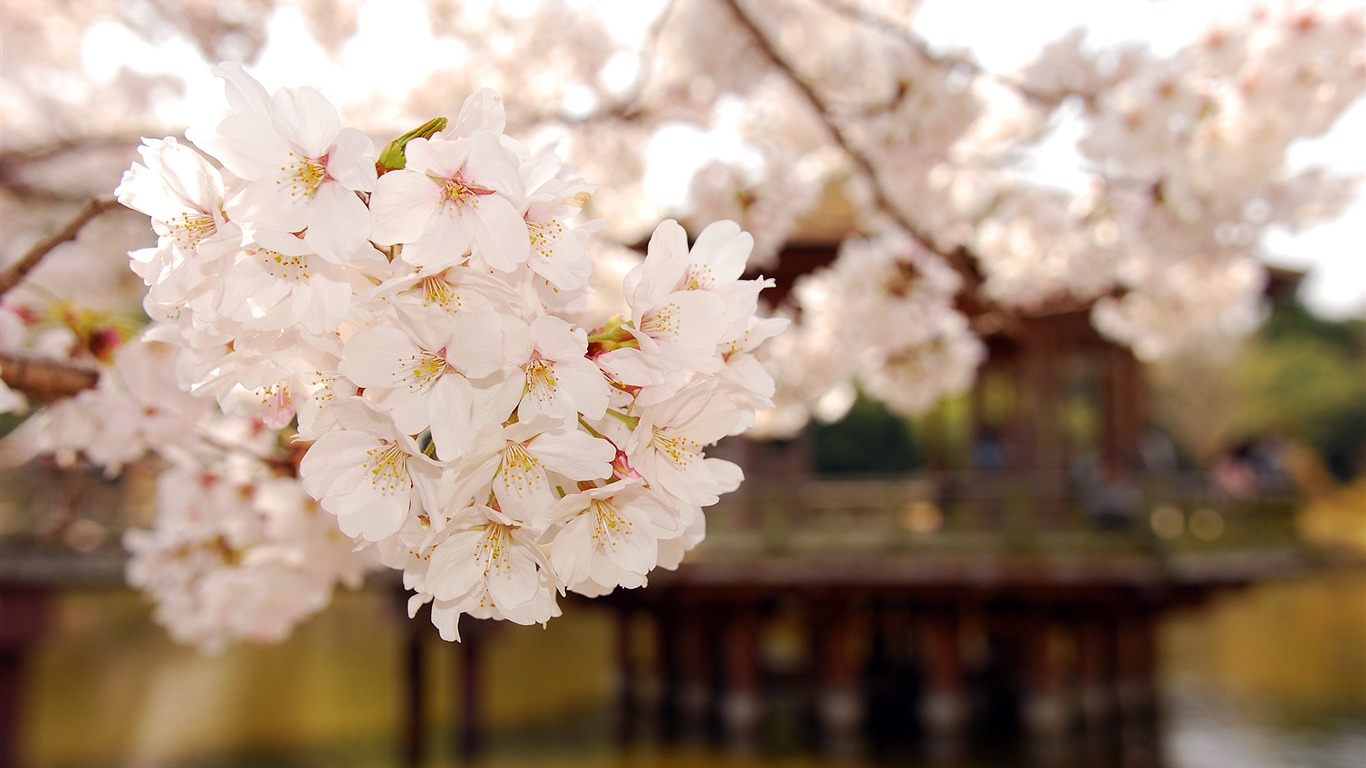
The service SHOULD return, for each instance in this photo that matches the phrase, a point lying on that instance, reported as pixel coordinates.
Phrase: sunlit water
(1271, 677)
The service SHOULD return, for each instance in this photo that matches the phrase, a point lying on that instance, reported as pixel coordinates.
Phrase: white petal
(402, 204)
(306, 118)
(576, 454)
(339, 226)
(249, 146)
(454, 569)
(513, 581)
(724, 249)
(449, 412)
(373, 357)
(500, 233)
(352, 160)
(475, 346)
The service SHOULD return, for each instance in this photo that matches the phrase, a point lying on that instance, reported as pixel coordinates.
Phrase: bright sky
(1334, 254)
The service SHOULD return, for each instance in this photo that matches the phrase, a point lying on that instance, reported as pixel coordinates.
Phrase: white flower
(303, 168)
(714, 264)
(453, 289)
(487, 559)
(183, 194)
(666, 446)
(279, 282)
(556, 380)
(419, 372)
(683, 304)
(368, 474)
(465, 429)
(452, 196)
(559, 252)
(237, 554)
(608, 536)
(518, 463)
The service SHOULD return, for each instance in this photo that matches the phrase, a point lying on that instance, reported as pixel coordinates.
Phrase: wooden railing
(74, 520)
(994, 512)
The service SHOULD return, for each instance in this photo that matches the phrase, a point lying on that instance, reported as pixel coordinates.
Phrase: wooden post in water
(944, 706)
(1044, 707)
(1096, 650)
(411, 724)
(469, 727)
(663, 670)
(626, 702)
(741, 701)
(839, 705)
(1136, 647)
(23, 620)
(694, 658)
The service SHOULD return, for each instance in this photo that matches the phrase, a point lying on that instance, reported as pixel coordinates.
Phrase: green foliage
(868, 440)
(1306, 378)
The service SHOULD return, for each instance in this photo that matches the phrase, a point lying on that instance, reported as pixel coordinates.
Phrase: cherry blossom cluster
(416, 315)
(1194, 152)
(914, 347)
(237, 551)
(1182, 166)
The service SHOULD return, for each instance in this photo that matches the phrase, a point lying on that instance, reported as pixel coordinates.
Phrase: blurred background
(1116, 515)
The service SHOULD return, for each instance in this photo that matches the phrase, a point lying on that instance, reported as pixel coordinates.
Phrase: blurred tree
(1306, 378)
(1301, 377)
(869, 440)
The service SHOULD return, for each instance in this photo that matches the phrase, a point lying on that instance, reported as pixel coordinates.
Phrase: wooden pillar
(23, 620)
(976, 416)
(1136, 647)
(412, 731)
(742, 702)
(944, 708)
(1123, 406)
(839, 706)
(1042, 367)
(664, 672)
(1044, 705)
(626, 701)
(1096, 668)
(694, 656)
(469, 728)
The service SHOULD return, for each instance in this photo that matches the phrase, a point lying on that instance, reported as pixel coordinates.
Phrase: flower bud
(392, 158)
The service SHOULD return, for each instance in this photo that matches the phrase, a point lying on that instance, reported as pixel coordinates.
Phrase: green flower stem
(612, 336)
(629, 421)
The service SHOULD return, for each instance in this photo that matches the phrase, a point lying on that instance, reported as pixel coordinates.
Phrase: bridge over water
(921, 603)
(928, 602)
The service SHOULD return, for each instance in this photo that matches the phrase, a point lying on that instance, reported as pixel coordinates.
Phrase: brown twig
(45, 379)
(20, 269)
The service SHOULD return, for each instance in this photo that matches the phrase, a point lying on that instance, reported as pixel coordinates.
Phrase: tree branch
(886, 27)
(20, 269)
(958, 257)
(45, 379)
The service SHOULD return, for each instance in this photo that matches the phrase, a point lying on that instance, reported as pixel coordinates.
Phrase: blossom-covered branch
(415, 320)
(959, 258)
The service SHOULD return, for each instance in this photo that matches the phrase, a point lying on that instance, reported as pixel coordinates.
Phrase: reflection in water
(1274, 676)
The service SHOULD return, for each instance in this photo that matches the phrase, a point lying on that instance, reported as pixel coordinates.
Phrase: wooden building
(1019, 577)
